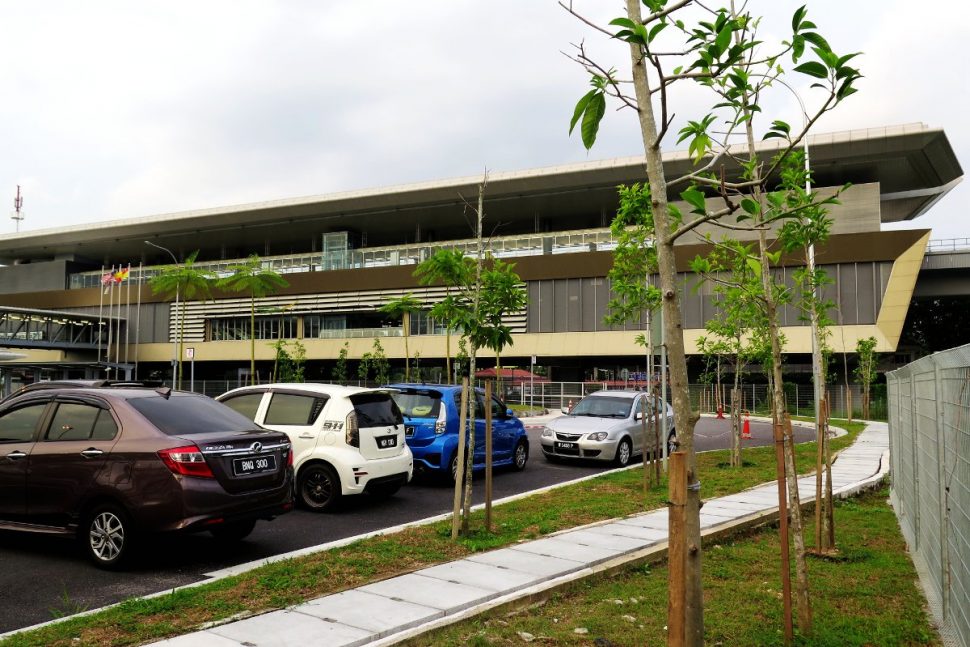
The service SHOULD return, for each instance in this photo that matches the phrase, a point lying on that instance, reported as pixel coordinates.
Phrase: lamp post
(176, 379)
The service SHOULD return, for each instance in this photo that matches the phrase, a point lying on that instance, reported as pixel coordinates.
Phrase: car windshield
(418, 404)
(185, 414)
(603, 407)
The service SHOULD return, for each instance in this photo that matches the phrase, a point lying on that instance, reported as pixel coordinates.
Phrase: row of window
(70, 421)
(315, 326)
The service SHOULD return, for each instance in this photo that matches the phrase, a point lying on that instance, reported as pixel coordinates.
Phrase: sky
(119, 109)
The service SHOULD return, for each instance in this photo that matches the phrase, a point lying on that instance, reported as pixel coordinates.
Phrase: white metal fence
(929, 427)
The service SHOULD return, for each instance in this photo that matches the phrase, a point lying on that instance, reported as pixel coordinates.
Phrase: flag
(107, 279)
(120, 275)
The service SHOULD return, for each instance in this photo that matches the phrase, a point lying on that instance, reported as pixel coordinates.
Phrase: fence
(929, 432)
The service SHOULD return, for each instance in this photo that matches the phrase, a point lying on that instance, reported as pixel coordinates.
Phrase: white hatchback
(346, 440)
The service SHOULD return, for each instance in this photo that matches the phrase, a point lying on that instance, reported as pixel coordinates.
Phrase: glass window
(104, 427)
(246, 404)
(376, 410)
(19, 425)
(418, 404)
(72, 421)
(185, 414)
(498, 409)
(603, 407)
(292, 409)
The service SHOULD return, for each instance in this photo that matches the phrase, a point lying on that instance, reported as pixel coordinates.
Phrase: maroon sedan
(108, 463)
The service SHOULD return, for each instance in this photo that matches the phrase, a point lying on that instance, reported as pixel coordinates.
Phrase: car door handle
(307, 436)
(16, 455)
(91, 452)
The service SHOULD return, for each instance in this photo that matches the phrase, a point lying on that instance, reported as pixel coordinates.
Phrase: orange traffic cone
(746, 428)
(720, 412)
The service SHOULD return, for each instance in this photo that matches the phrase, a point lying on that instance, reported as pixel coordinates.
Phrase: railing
(948, 245)
(929, 440)
(583, 240)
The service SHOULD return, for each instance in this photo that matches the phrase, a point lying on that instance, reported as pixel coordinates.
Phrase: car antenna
(165, 392)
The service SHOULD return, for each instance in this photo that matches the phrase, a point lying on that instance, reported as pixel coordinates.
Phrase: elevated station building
(345, 254)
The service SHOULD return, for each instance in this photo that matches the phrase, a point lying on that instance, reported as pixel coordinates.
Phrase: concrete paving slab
(646, 535)
(288, 628)
(655, 521)
(482, 576)
(542, 566)
(618, 543)
(430, 592)
(198, 639)
(377, 614)
(566, 549)
(741, 508)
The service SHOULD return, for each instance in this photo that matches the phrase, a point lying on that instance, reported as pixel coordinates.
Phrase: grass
(865, 596)
(290, 582)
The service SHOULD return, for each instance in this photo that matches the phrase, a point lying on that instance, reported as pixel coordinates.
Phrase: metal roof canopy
(914, 164)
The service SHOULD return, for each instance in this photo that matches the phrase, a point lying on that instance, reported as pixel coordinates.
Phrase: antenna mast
(17, 214)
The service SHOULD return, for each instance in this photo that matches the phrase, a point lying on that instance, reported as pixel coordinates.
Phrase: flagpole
(127, 311)
(100, 306)
(138, 317)
(111, 297)
(118, 327)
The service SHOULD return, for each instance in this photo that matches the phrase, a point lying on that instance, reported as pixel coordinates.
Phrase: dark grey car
(106, 464)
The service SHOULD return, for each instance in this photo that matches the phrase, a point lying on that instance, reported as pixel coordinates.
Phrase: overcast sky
(127, 109)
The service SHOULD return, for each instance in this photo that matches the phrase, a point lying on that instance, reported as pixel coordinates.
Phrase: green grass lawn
(289, 582)
(865, 596)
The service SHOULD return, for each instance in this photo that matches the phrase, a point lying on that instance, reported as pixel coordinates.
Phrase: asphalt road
(45, 577)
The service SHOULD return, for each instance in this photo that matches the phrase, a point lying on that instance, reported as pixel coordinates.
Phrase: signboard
(189, 353)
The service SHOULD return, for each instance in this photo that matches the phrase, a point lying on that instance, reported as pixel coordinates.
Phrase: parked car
(607, 426)
(346, 440)
(431, 429)
(107, 463)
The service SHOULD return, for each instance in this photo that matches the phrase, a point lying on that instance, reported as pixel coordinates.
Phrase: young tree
(257, 281)
(865, 370)
(722, 53)
(502, 292)
(450, 268)
(339, 372)
(288, 364)
(401, 308)
(188, 282)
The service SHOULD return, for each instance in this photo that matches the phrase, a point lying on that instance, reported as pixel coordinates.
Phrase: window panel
(246, 404)
(19, 425)
(292, 409)
(72, 422)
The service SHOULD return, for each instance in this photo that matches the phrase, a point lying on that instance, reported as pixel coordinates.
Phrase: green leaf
(798, 48)
(724, 37)
(845, 59)
(591, 119)
(623, 22)
(580, 109)
(754, 265)
(751, 206)
(817, 40)
(813, 68)
(796, 19)
(694, 198)
(656, 30)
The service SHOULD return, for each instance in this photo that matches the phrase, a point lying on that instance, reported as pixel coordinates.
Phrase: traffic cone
(746, 428)
(570, 405)
(720, 412)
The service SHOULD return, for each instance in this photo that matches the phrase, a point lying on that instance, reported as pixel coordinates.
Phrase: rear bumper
(355, 477)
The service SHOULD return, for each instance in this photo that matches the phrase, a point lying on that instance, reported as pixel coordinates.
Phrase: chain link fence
(929, 432)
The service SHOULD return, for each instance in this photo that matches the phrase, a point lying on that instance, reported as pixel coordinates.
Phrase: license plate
(253, 465)
(408, 430)
(386, 441)
(562, 445)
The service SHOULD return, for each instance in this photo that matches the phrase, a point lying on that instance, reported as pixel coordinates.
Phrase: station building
(345, 254)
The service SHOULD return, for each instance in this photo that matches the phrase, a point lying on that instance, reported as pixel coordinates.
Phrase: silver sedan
(609, 426)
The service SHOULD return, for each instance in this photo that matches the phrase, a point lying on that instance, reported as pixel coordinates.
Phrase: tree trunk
(406, 328)
(252, 339)
(684, 418)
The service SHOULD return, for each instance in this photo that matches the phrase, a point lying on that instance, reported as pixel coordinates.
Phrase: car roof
(616, 394)
(436, 387)
(127, 391)
(332, 390)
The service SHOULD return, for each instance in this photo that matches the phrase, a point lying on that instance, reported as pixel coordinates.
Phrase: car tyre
(520, 456)
(107, 535)
(235, 531)
(319, 487)
(624, 452)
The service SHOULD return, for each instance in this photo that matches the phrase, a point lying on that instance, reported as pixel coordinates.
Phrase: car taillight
(441, 424)
(352, 432)
(187, 461)
(289, 457)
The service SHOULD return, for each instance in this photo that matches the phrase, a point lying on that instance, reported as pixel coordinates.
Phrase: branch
(713, 215)
(582, 18)
(669, 10)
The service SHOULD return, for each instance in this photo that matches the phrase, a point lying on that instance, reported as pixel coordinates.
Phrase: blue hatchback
(431, 429)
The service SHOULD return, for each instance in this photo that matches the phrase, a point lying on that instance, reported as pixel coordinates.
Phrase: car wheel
(521, 456)
(385, 491)
(453, 472)
(236, 531)
(319, 488)
(672, 443)
(107, 535)
(624, 451)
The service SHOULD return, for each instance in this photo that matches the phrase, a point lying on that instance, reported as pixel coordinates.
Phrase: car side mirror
(639, 415)
(509, 413)
(565, 411)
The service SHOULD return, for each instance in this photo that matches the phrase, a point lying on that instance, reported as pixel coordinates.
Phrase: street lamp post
(176, 379)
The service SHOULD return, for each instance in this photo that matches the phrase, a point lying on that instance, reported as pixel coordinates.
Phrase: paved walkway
(385, 612)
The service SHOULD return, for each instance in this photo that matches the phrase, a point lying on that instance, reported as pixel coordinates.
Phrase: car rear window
(419, 404)
(293, 409)
(185, 414)
(376, 410)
